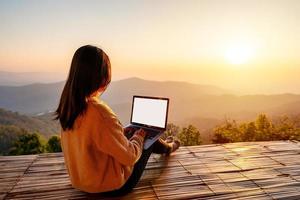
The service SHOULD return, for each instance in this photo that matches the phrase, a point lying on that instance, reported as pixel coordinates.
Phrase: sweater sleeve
(114, 143)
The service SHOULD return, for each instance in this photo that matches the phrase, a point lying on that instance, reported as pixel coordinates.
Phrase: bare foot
(174, 146)
(169, 139)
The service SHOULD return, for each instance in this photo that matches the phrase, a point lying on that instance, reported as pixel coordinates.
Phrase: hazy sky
(252, 46)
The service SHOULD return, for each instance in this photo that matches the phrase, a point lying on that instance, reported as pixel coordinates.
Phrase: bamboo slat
(249, 170)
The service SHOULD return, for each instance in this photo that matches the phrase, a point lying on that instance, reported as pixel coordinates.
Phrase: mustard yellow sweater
(97, 155)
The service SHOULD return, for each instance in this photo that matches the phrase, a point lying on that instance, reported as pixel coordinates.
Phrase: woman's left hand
(129, 130)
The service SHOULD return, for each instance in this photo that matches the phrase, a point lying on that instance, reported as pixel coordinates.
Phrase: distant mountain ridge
(25, 78)
(31, 98)
(188, 102)
(123, 90)
(38, 97)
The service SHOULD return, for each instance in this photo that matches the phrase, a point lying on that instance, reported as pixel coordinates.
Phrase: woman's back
(97, 154)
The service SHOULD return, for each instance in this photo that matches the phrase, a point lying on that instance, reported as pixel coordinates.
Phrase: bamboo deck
(258, 170)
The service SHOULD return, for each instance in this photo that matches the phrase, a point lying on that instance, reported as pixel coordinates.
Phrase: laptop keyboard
(151, 133)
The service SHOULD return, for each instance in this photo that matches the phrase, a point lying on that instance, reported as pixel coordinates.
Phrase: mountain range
(42, 97)
(201, 105)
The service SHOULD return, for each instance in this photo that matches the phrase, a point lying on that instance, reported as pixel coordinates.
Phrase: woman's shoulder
(99, 107)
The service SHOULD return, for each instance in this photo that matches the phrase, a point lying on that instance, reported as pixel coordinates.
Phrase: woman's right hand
(141, 132)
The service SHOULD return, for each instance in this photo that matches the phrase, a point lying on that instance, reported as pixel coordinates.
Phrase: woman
(100, 155)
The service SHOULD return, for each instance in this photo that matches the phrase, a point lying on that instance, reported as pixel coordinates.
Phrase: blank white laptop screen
(150, 111)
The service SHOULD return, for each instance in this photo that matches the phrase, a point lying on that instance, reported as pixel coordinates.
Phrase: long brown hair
(90, 69)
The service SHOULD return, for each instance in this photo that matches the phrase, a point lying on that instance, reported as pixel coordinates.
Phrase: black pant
(159, 147)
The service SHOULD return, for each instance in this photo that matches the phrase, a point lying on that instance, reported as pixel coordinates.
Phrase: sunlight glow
(240, 149)
(239, 54)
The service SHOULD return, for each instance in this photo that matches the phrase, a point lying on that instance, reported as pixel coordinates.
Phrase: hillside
(43, 124)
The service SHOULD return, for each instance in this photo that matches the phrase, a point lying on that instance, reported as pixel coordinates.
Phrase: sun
(239, 54)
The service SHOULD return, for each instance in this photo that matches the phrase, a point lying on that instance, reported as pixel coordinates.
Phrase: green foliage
(28, 143)
(286, 129)
(17, 141)
(247, 130)
(53, 144)
(262, 129)
(8, 135)
(228, 132)
(188, 136)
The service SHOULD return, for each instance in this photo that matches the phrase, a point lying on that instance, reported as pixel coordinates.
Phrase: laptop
(150, 114)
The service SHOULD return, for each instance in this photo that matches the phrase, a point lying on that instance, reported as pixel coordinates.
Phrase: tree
(264, 128)
(285, 129)
(228, 132)
(28, 143)
(54, 144)
(248, 131)
(8, 136)
(190, 136)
